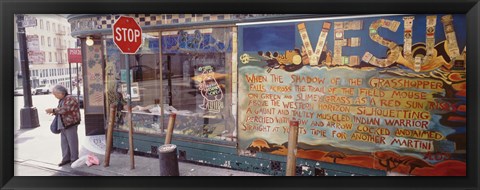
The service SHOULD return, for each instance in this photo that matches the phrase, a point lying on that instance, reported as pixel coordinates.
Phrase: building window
(54, 42)
(54, 27)
(41, 24)
(43, 41)
(55, 58)
(48, 26)
(49, 56)
(49, 42)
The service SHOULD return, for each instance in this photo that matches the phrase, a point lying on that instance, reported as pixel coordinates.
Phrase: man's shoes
(64, 162)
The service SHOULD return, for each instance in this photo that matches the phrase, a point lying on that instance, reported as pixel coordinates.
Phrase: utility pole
(28, 114)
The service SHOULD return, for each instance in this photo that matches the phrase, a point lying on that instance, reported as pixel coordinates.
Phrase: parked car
(19, 92)
(42, 89)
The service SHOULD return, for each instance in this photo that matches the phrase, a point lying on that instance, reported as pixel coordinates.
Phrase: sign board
(33, 43)
(29, 21)
(74, 55)
(36, 56)
(127, 35)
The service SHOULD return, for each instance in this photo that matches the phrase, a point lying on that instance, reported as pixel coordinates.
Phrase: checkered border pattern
(106, 22)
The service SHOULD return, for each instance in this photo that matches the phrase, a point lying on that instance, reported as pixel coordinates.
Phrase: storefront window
(145, 84)
(197, 70)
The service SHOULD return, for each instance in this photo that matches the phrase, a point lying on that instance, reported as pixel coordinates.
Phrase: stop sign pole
(127, 35)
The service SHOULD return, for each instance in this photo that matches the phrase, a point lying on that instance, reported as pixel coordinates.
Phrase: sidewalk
(40, 148)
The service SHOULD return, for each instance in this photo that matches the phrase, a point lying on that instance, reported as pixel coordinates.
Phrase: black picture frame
(10, 7)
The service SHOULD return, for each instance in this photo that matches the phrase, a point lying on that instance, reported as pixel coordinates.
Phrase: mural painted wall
(94, 79)
(384, 92)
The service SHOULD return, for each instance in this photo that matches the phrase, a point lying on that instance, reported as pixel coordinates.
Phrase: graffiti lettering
(259, 119)
(333, 117)
(401, 83)
(407, 123)
(258, 103)
(257, 88)
(307, 79)
(430, 135)
(320, 133)
(379, 112)
(281, 88)
(297, 105)
(253, 127)
(256, 78)
(372, 130)
(418, 145)
(368, 138)
(437, 156)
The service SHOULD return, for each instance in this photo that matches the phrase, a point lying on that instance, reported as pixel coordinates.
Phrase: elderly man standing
(68, 111)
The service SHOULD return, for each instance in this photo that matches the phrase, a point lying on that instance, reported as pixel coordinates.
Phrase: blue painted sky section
(280, 37)
(272, 38)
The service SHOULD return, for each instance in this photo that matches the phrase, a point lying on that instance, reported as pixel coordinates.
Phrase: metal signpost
(127, 35)
(75, 56)
(28, 114)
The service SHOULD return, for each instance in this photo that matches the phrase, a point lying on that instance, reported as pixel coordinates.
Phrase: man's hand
(49, 111)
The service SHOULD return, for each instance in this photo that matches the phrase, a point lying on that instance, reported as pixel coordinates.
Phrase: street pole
(78, 86)
(70, 73)
(129, 103)
(28, 114)
(292, 148)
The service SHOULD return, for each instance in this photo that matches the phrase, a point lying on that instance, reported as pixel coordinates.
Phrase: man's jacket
(69, 111)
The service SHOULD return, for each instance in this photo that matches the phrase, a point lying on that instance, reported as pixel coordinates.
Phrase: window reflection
(193, 71)
(197, 82)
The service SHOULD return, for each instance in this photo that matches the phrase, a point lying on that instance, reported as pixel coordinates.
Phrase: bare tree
(335, 155)
(413, 163)
(388, 159)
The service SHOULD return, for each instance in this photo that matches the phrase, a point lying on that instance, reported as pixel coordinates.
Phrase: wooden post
(111, 122)
(292, 148)
(171, 123)
(130, 138)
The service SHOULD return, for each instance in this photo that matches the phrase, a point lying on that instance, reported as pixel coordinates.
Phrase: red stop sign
(127, 35)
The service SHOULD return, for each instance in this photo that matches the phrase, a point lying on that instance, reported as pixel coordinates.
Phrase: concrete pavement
(37, 152)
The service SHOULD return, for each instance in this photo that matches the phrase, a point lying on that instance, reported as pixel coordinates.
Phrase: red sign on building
(127, 35)
(74, 55)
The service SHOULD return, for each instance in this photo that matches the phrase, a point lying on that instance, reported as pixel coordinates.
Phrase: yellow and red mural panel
(380, 92)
